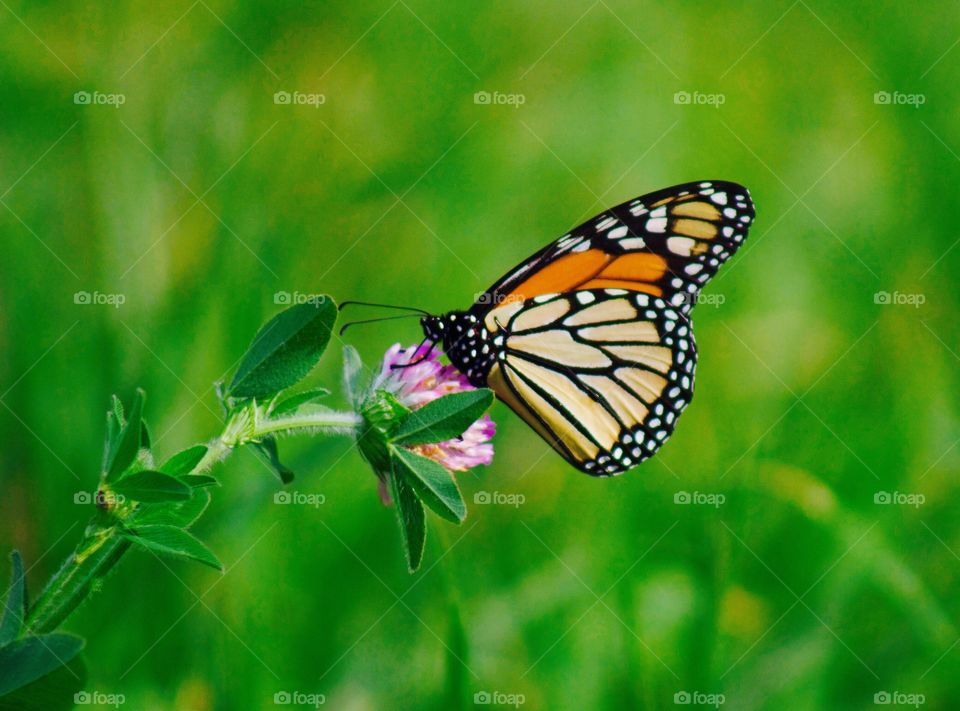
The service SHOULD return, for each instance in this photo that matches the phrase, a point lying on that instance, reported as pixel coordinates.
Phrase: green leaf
(182, 515)
(129, 438)
(199, 480)
(285, 349)
(413, 529)
(150, 487)
(116, 405)
(432, 481)
(354, 384)
(144, 435)
(53, 692)
(444, 418)
(292, 403)
(267, 452)
(30, 658)
(184, 462)
(15, 607)
(172, 541)
(109, 440)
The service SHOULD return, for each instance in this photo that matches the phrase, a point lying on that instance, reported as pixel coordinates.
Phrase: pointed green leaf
(199, 480)
(109, 440)
(15, 607)
(172, 541)
(150, 487)
(410, 516)
(285, 349)
(354, 384)
(129, 438)
(184, 462)
(267, 452)
(292, 403)
(444, 418)
(180, 514)
(145, 440)
(432, 481)
(116, 405)
(30, 658)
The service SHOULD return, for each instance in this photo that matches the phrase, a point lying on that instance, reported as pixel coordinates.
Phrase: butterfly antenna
(375, 320)
(382, 306)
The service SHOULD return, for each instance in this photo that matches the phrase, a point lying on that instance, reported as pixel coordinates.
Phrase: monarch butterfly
(589, 340)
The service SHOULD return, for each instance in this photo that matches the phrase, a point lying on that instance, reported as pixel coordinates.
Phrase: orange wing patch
(565, 274)
(595, 269)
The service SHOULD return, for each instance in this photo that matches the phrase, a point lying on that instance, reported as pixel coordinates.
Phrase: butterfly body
(589, 340)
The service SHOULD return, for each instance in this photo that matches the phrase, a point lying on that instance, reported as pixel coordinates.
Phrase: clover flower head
(425, 381)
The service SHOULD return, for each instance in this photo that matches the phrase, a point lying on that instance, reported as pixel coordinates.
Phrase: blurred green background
(200, 198)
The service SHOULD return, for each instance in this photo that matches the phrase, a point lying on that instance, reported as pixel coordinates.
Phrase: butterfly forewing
(667, 244)
(600, 374)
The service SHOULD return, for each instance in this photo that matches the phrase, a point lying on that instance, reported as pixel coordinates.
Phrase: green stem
(323, 422)
(102, 547)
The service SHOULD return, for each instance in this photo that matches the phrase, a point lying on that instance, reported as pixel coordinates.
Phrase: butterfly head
(463, 339)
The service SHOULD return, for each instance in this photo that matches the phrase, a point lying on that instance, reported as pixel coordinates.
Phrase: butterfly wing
(600, 374)
(668, 244)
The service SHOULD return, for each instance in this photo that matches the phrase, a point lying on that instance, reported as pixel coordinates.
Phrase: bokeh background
(200, 198)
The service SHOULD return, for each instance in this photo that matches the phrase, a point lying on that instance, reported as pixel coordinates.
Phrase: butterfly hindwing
(600, 374)
(668, 244)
